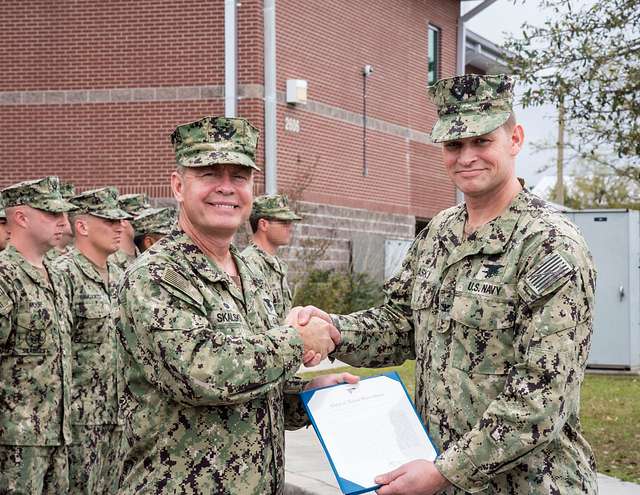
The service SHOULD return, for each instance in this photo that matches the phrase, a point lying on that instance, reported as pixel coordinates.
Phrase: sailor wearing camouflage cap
(498, 370)
(35, 343)
(152, 225)
(39, 201)
(93, 459)
(271, 222)
(134, 204)
(209, 368)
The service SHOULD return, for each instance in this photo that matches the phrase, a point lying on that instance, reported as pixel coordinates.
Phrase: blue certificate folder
(404, 417)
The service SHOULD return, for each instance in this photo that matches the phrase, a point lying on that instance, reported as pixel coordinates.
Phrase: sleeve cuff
(295, 385)
(342, 322)
(460, 470)
(289, 348)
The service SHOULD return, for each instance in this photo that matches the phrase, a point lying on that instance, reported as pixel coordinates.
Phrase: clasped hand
(317, 331)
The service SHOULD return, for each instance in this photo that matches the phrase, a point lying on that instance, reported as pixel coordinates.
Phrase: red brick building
(90, 91)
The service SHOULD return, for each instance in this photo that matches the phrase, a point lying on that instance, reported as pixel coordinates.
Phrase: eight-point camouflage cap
(3, 214)
(155, 221)
(101, 203)
(215, 141)
(43, 194)
(134, 204)
(274, 206)
(67, 190)
(471, 105)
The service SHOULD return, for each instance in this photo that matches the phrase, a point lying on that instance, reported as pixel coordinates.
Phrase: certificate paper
(367, 429)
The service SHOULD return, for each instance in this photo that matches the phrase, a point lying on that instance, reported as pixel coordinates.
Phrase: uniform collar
(272, 260)
(89, 269)
(207, 268)
(32, 272)
(491, 238)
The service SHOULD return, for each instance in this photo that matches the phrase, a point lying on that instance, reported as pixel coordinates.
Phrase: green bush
(338, 292)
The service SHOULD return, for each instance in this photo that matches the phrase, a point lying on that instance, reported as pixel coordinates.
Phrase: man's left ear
(517, 139)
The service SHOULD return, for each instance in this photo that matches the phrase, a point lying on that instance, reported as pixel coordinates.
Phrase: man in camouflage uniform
(134, 205)
(495, 302)
(4, 231)
(271, 221)
(64, 245)
(209, 368)
(152, 225)
(35, 345)
(94, 457)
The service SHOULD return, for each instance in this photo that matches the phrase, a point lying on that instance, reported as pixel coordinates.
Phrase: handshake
(319, 335)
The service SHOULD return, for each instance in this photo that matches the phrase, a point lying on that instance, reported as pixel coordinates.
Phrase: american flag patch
(173, 278)
(552, 269)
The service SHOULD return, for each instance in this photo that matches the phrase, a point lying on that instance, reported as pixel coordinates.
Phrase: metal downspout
(461, 53)
(230, 59)
(270, 99)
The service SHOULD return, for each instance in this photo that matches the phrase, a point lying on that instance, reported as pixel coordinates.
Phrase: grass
(610, 415)
(610, 418)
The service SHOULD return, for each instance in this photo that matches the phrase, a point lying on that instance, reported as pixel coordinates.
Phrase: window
(421, 224)
(433, 49)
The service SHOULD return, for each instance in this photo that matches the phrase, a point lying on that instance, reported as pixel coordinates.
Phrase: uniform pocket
(33, 334)
(483, 329)
(91, 321)
(422, 296)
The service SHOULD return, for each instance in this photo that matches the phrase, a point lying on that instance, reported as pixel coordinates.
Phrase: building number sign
(291, 124)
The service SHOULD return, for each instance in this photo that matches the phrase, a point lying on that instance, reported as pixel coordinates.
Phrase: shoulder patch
(550, 270)
(174, 279)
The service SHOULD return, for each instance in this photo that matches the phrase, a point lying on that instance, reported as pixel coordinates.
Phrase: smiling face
(481, 165)
(216, 200)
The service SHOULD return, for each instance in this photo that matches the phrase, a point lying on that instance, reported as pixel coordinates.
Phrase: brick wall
(91, 90)
(66, 44)
(341, 238)
(327, 43)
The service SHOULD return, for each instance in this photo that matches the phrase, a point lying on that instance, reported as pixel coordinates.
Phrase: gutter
(461, 58)
(230, 59)
(270, 99)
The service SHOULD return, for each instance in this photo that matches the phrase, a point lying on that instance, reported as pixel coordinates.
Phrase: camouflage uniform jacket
(274, 273)
(208, 374)
(35, 358)
(500, 326)
(54, 253)
(96, 367)
(122, 259)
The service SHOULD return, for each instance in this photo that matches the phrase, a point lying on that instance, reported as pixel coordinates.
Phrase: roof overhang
(484, 54)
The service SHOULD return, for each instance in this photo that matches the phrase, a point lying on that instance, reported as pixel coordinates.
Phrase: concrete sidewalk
(308, 471)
